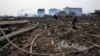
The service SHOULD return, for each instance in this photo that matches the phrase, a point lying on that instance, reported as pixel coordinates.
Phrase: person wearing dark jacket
(55, 17)
(74, 21)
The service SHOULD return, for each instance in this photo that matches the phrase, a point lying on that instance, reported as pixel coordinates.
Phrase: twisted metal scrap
(97, 45)
(36, 38)
(38, 53)
(6, 45)
(17, 46)
(52, 54)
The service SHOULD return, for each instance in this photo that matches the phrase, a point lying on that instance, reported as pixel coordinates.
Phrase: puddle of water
(64, 44)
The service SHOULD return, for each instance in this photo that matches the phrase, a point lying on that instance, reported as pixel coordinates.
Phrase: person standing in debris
(55, 17)
(74, 21)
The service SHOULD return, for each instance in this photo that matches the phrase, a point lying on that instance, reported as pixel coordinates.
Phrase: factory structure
(65, 11)
(73, 11)
(53, 11)
(41, 12)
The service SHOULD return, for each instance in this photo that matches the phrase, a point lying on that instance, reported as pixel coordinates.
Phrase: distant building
(53, 11)
(73, 11)
(95, 13)
(61, 13)
(41, 12)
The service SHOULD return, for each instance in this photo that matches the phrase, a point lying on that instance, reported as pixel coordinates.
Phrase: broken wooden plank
(13, 22)
(18, 32)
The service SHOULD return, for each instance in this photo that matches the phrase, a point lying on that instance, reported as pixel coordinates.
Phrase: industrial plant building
(41, 12)
(73, 11)
(53, 11)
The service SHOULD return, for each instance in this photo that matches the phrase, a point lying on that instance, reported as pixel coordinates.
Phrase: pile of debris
(53, 38)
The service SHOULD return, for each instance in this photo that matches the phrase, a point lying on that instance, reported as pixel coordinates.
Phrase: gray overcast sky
(13, 7)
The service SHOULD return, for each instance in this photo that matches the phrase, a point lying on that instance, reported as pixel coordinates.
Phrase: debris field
(50, 37)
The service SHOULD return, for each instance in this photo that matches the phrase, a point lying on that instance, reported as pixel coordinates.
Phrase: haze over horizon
(13, 7)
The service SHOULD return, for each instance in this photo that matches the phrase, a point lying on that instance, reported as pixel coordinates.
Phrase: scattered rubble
(54, 38)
